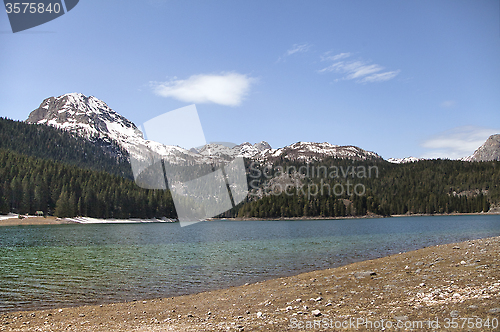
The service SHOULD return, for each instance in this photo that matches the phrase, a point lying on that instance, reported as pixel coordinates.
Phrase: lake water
(51, 266)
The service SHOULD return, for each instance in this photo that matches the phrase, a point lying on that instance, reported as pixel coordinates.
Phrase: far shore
(14, 220)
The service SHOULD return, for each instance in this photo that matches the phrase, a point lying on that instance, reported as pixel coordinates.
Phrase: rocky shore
(453, 287)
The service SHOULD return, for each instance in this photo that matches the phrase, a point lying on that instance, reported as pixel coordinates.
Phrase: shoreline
(51, 220)
(457, 280)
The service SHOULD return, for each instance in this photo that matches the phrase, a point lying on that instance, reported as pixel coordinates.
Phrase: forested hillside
(29, 184)
(47, 169)
(428, 186)
(51, 143)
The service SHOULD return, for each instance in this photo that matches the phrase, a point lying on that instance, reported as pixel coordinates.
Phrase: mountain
(404, 160)
(86, 117)
(310, 151)
(46, 142)
(93, 119)
(489, 151)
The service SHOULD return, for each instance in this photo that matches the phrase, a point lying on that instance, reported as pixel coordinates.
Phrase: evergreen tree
(63, 206)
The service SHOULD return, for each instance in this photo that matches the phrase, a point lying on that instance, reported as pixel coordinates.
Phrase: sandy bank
(31, 220)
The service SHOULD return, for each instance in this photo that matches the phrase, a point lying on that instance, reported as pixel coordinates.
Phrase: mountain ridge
(93, 119)
(489, 151)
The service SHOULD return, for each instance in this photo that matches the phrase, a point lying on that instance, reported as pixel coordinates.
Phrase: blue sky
(400, 78)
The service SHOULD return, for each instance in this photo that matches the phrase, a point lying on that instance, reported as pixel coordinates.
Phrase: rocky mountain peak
(93, 119)
(82, 115)
(489, 151)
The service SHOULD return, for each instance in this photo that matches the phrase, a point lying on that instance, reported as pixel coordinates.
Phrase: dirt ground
(454, 287)
(34, 221)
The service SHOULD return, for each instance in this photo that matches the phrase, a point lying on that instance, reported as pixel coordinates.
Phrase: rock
(259, 314)
(456, 247)
(364, 274)
(494, 311)
(454, 313)
(473, 307)
(489, 151)
(316, 313)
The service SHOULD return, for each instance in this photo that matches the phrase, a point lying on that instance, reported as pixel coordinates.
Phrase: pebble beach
(452, 287)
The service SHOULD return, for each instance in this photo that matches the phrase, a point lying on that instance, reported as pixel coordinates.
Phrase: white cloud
(339, 56)
(296, 48)
(357, 69)
(448, 103)
(227, 89)
(457, 143)
(389, 75)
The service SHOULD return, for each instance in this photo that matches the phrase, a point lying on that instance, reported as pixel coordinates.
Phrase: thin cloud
(457, 143)
(339, 56)
(389, 75)
(360, 70)
(448, 104)
(227, 89)
(296, 48)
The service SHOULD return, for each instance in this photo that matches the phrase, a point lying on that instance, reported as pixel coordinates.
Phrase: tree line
(47, 142)
(29, 184)
(428, 186)
(46, 169)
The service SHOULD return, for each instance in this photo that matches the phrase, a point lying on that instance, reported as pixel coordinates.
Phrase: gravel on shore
(452, 287)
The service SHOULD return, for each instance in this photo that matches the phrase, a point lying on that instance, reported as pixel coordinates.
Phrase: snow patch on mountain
(94, 119)
(404, 160)
(311, 151)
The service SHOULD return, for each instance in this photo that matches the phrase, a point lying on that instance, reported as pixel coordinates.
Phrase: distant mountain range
(94, 120)
(403, 160)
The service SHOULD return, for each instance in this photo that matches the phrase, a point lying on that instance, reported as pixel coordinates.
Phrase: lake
(51, 266)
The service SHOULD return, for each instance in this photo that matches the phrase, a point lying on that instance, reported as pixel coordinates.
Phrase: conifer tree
(63, 206)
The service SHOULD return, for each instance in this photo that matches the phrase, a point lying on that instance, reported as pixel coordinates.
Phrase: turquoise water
(50, 266)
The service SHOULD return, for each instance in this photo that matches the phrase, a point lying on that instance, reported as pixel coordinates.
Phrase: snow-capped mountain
(85, 116)
(489, 151)
(310, 151)
(404, 160)
(93, 119)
